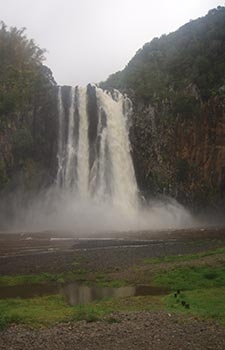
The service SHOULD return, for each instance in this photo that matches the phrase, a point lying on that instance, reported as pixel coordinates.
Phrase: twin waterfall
(94, 162)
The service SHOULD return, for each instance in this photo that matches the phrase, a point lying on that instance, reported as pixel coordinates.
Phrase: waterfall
(94, 158)
(95, 188)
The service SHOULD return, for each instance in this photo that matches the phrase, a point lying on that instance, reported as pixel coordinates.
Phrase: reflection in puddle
(76, 293)
(82, 294)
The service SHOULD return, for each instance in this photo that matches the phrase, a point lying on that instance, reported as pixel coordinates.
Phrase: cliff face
(181, 156)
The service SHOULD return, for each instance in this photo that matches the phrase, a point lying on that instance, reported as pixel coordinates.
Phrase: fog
(64, 211)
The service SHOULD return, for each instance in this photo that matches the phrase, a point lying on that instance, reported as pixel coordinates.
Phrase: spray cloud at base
(61, 212)
(95, 187)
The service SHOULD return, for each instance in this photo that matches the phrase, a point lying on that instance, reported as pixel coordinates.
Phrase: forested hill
(26, 109)
(195, 53)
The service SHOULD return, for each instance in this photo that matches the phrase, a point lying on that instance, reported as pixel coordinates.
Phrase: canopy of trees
(194, 54)
(22, 73)
(27, 102)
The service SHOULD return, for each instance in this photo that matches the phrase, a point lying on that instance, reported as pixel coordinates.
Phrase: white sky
(86, 40)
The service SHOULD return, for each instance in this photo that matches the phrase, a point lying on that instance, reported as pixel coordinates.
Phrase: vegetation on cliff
(177, 85)
(194, 54)
(26, 93)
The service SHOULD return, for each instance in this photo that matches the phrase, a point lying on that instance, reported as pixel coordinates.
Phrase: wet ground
(54, 252)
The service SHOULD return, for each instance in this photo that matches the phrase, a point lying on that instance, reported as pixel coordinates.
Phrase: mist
(63, 211)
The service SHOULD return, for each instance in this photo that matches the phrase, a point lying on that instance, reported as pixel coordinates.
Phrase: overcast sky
(86, 40)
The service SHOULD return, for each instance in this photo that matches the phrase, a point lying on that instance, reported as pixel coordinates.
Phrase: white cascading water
(70, 145)
(60, 156)
(124, 186)
(83, 146)
(111, 177)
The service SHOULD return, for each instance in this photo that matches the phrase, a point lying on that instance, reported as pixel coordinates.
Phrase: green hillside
(195, 53)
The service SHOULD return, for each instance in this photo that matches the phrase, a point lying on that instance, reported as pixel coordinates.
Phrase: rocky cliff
(181, 157)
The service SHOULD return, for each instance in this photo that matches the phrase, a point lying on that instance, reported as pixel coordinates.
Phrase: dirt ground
(31, 253)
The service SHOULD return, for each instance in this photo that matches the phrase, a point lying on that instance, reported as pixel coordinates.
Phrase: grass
(35, 312)
(191, 277)
(181, 258)
(49, 310)
(203, 288)
(69, 276)
(206, 303)
(80, 275)
(102, 280)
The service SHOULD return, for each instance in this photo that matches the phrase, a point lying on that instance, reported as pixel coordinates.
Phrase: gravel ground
(136, 330)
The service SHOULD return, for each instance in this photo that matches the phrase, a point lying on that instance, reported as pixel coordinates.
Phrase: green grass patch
(111, 283)
(205, 303)
(49, 310)
(35, 312)
(9, 281)
(104, 281)
(79, 275)
(187, 257)
(191, 277)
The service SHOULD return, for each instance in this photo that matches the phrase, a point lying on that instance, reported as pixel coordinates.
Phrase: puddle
(82, 294)
(76, 293)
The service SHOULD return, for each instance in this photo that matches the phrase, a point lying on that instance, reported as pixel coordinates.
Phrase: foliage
(193, 55)
(20, 67)
(26, 93)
